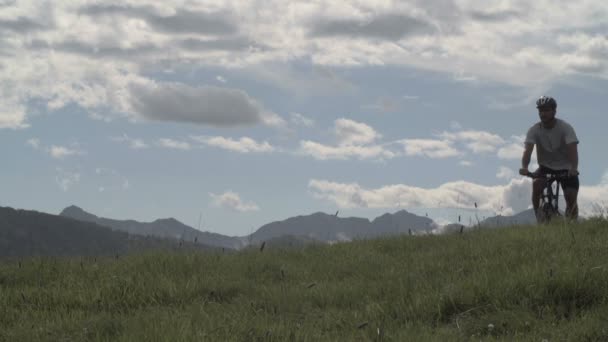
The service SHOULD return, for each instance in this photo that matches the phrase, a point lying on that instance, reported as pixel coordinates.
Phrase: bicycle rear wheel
(546, 212)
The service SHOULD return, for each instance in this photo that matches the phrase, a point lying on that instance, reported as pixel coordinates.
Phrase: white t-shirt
(551, 144)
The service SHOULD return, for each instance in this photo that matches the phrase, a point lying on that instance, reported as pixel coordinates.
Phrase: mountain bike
(549, 199)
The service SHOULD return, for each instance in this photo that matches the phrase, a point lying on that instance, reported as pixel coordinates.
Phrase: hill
(331, 228)
(507, 284)
(163, 228)
(522, 218)
(31, 233)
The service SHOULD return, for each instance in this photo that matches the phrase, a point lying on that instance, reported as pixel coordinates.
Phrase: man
(556, 152)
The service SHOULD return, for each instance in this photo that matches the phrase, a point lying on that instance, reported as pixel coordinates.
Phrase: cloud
(243, 145)
(390, 27)
(465, 163)
(354, 140)
(207, 105)
(174, 144)
(232, 200)
(505, 173)
(476, 141)
(508, 199)
(220, 79)
(34, 143)
(57, 152)
(100, 56)
(350, 132)
(60, 152)
(429, 148)
(300, 120)
(511, 151)
(343, 152)
(496, 15)
(22, 24)
(110, 179)
(136, 144)
(66, 179)
(12, 115)
(236, 44)
(385, 105)
(179, 22)
(184, 21)
(512, 197)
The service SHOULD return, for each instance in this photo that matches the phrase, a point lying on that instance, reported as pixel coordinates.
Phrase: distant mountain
(401, 222)
(31, 233)
(330, 228)
(525, 217)
(164, 228)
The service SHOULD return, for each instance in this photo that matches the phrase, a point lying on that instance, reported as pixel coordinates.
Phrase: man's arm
(572, 150)
(525, 159)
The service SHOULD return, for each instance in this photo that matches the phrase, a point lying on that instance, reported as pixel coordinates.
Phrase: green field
(520, 283)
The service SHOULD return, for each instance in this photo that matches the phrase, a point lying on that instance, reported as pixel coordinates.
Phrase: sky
(228, 115)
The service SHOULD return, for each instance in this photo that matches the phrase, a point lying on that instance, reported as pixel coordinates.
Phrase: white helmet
(546, 101)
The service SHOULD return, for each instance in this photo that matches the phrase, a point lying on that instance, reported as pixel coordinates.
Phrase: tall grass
(518, 283)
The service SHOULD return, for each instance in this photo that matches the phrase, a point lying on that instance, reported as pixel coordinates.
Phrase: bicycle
(548, 208)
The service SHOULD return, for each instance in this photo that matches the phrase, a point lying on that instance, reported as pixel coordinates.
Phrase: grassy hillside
(523, 283)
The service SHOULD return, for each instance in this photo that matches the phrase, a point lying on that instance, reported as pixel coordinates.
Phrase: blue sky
(248, 112)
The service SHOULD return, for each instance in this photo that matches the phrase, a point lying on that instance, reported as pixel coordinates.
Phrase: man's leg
(571, 195)
(537, 190)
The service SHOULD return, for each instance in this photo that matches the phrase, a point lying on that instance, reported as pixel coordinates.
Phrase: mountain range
(318, 227)
(77, 232)
(163, 228)
(31, 233)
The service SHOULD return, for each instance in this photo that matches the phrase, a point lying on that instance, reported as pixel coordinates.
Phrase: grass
(519, 283)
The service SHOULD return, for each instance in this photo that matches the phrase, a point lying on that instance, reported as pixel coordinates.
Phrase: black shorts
(569, 183)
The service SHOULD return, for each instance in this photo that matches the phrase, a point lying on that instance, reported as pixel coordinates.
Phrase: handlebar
(560, 176)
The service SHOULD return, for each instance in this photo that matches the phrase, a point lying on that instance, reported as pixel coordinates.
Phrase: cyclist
(556, 152)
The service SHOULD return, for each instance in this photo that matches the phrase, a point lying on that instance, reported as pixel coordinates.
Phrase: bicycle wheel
(549, 212)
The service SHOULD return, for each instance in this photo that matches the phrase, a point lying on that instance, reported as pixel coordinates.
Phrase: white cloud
(512, 197)
(102, 67)
(350, 132)
(354, 141)
(135, 144)
(465, 163)
(505, 173)
(110, 180)
(221, 79)
(66, 179)
(429, 148)
(174, 144)
(511, 151)
(300, 120)
(243, 145)
(11, 115)
(61, 152)
(57, 152)
(232, 200)
(456, 126)
(34, 143)
(98, 117)
(476, 141)
(325, 152)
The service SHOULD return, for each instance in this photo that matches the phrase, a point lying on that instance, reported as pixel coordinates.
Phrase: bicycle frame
(549, 200)
(548, 207)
